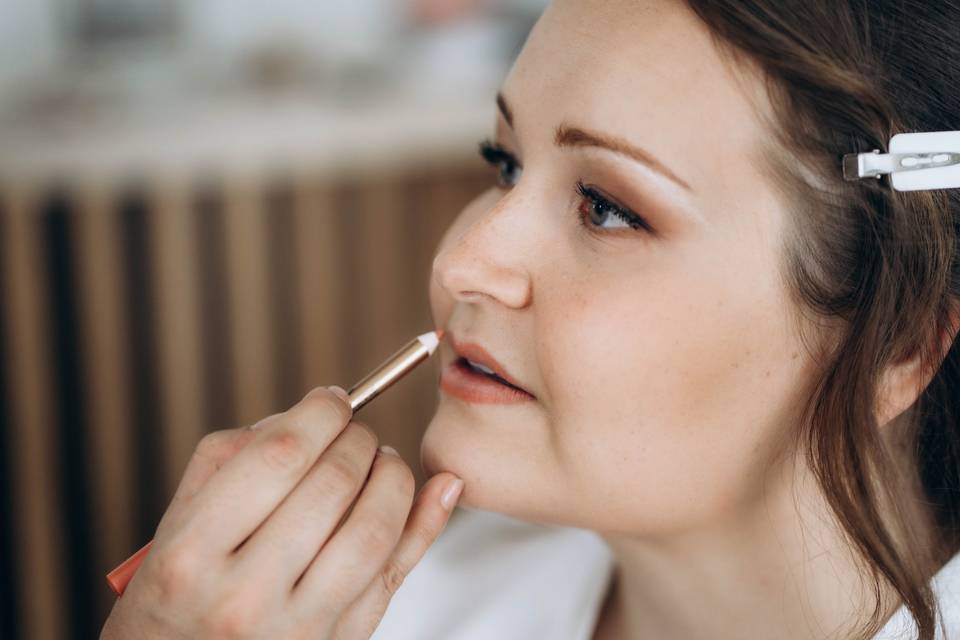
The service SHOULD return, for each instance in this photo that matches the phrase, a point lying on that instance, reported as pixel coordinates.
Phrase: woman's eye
(597, 212)
(600, 213)
(509, 168)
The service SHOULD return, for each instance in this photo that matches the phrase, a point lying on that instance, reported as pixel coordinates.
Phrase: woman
(737, 369)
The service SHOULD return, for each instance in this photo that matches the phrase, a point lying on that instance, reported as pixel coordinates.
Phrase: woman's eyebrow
(568, 136)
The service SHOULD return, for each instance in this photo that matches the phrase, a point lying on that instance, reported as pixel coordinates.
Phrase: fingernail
(451, 494)
(259, 423)
(388, 449)
(340, 391)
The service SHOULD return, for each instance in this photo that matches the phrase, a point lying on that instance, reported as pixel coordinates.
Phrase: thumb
(428, 518)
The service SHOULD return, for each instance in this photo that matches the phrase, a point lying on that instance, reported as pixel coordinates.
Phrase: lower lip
(460, 381)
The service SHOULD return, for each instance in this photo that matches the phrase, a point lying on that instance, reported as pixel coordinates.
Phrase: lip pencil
(372, 385)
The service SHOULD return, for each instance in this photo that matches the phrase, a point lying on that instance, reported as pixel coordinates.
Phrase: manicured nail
(340, 391)
(388, 449)
(451, 494)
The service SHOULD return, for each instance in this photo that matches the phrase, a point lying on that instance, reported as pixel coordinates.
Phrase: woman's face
(660, 355)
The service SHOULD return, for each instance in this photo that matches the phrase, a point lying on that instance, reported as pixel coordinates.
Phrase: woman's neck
(779, 568)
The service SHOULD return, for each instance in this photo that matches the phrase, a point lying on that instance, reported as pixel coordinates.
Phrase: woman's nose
(484, 262)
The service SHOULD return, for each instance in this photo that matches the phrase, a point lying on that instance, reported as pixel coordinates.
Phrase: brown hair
(879, 269)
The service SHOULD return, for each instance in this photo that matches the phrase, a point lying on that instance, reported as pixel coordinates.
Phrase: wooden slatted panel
(34, 435)
(378, 296)
(284, 291)
(319, 246)
(250, 311)
(178, 332)
(9, 563)
(133, 210)
(361, 254)
(215, 335)
(106, 376)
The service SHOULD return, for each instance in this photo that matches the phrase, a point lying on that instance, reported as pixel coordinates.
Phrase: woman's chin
(451, 443)
(456, 442)
(494, 480)
(432, 450)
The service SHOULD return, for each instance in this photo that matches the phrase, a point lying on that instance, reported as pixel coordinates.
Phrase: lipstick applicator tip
(440, 333)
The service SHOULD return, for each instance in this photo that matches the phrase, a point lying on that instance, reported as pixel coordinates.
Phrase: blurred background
(208, 208)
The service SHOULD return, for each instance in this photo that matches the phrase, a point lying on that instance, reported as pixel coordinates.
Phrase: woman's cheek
(629, 383)
(597, 345)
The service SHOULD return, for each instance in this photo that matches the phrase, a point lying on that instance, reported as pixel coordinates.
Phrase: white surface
(946, 585)
(29, 39)
(489, 576)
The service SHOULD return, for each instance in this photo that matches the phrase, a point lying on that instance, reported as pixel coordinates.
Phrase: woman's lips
(460, 380)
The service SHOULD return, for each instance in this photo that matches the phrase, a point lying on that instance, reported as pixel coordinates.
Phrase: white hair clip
(916, 161)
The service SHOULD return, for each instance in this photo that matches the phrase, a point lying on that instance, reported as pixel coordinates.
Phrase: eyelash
(494, 154)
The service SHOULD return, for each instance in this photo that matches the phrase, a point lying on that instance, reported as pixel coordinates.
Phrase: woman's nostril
(472, 274)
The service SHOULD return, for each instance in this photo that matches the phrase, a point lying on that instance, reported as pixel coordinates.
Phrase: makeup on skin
(476, 376)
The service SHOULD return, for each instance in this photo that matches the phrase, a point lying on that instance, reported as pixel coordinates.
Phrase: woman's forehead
(644, 70)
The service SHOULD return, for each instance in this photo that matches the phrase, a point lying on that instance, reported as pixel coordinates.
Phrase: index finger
(211, 453)
(243, 493)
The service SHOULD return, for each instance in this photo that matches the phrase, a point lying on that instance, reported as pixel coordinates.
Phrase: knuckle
(211, 444)
(285, 450)
(234, 616)
(374, 535)
(403, 479)
(174, 571)
(409, 482)
(392, 577)
(425, 531)
(363, 431)
(338, 596)
(340, 474)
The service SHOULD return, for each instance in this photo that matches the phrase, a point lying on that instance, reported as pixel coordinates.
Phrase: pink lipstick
(475, 376)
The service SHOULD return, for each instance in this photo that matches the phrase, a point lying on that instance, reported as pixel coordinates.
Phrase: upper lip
(476, 353)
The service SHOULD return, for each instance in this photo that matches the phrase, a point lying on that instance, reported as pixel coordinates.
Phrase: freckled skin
(667, 369)
(661, 367)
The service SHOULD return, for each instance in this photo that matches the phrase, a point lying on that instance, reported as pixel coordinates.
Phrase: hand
(263, 538)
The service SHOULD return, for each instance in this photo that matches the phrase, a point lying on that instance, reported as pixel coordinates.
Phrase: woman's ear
(903, 382)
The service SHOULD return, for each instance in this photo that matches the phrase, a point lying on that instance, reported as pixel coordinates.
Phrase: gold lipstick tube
(394, 368)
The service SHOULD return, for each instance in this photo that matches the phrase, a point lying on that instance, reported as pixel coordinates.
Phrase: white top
(492, 576)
